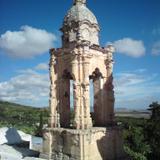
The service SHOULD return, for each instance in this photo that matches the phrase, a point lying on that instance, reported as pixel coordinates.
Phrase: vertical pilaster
(80, 64)
(76, 92)
(53, 100)
(86, 95)
(109, 85)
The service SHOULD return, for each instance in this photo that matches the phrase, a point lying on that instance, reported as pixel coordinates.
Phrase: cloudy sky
(28, 28)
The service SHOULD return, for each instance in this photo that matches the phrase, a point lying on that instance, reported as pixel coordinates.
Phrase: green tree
(135, 144)
(39, 131)
(152, 131)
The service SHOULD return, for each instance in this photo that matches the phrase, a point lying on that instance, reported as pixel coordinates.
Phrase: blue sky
(28, 28)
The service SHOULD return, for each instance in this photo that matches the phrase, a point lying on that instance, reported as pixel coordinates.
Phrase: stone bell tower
(81, 60)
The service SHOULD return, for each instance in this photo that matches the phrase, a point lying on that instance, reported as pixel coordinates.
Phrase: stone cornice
(77, 46)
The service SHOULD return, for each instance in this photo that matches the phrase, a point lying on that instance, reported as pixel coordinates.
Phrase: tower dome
(80, 13)
(80, 24)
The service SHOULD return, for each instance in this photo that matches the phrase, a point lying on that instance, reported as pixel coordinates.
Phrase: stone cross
(79, 1)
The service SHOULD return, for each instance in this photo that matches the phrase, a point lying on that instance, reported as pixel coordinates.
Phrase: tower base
(92, 144)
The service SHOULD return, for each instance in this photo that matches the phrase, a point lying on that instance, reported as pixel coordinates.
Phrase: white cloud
(132, 89)
(127, 79)
(42, 66)
(156, 48)
(29, 88)
(141, 70)
(130, 47)
(26, 43)
(136, 89)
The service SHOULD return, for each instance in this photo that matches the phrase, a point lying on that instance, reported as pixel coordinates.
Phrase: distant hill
(25, 118)
(13, 111)
(15, 105)
(30, 119)
(139, 113)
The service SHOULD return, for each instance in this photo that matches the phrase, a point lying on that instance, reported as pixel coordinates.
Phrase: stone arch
(97, 79)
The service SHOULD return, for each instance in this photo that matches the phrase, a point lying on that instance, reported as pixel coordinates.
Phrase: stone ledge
(79, 131)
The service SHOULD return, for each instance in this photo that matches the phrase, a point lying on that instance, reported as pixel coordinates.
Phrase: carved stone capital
(67, 75)
(110, 48)
(109, 84)
(52, 51)
(96, 74)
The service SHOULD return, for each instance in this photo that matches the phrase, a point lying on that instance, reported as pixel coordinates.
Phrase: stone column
(65, 102)
(76, 93)
(53, 100)
(85, 93)
(109, 85)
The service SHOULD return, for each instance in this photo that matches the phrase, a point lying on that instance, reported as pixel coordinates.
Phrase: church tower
(80, 61)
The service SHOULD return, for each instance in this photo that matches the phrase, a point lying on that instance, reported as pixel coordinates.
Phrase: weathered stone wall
(91, 144)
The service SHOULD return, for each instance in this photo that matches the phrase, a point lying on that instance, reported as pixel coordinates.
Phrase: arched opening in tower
(91, 95)
(96, 96)
(66, 99)
(71, 103)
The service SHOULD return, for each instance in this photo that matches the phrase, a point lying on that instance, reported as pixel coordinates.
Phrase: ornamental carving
(96, 74)
(67, 75)
(109, 84)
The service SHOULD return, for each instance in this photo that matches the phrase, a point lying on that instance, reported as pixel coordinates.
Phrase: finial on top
(79, 2)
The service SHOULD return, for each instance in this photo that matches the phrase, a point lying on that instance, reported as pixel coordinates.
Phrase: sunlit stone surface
(80, 60)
